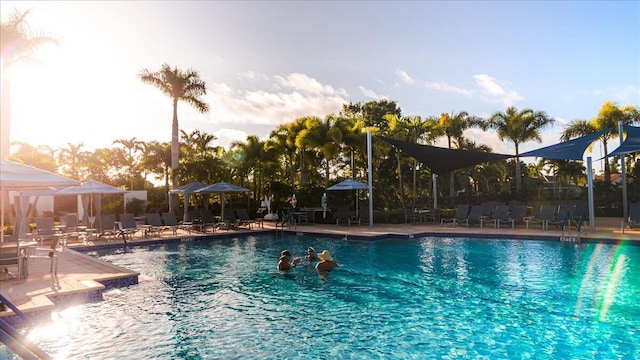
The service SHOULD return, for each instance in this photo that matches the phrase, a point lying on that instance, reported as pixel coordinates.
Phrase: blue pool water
(440, 298)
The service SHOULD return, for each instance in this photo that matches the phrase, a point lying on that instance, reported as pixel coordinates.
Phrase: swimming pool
(419, 298)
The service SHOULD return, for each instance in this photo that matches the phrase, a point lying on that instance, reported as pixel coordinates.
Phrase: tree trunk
(175, 145)
(518, 173)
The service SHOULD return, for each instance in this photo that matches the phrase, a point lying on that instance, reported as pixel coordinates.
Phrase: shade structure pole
(625, 206)
(370, 173)
(434, 178)
(592, 218)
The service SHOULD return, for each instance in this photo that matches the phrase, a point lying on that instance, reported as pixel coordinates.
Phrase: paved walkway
(80, 275)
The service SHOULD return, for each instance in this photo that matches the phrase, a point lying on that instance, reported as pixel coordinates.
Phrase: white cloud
(442, 86)
(405, 77)
(620, 94)
(295, 95)
(494, 92)
(252, 75)
(371, 94)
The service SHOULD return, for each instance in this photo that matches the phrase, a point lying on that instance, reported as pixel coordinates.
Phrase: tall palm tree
(17, 44)
(132, 146)
(453, 127)
(178, 85)
(519, 127)
(324, 137)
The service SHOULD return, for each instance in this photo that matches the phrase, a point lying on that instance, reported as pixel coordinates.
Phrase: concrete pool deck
(82, 277)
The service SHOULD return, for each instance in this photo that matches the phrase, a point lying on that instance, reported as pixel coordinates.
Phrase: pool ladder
(16, 341)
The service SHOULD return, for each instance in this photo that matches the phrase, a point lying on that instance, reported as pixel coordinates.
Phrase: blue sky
(267, 63)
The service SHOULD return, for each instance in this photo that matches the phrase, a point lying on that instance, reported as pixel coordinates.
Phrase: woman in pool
(284, 264)
(311, 254)
(326, 263)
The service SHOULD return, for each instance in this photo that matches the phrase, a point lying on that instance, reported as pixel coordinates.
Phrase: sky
(268, 63)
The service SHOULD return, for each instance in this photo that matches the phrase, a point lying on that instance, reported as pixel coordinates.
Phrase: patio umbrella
(221, 188)
(91, 188)
(187, 190)
(17, 177)
(349, 184)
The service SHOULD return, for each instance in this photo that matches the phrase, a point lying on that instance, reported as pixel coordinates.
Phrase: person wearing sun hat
(283, 262)
(326, 263)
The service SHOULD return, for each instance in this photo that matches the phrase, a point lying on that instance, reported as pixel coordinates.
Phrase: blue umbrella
(350, 184)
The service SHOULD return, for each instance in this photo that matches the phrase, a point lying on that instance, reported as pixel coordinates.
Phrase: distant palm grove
(309, 154)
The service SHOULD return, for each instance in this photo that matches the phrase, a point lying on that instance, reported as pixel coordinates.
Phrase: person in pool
(284, 264)
(326, 263)
(311, 254)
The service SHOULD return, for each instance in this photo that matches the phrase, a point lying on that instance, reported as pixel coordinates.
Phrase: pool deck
(82, 278)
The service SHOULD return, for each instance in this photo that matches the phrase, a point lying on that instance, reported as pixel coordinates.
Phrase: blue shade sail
(631, 143)
(568, 150)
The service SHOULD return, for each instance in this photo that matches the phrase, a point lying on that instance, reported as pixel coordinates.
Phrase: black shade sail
(442, 160)
(631, 143)
(568, 150)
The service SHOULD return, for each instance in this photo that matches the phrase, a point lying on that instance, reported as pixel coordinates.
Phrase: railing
(16, 341)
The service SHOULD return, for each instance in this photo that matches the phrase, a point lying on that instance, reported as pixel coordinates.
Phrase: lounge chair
(208, 220)
(633, 221)
(475, 216)
(343, 216)
(154, 223)
(107, 225)
(244, 220)
(562, 218)
(286, 220)
(171, 221)
(460, 216)
(516, 215)
(195, 218)
(127, 226)
(581, 213)
(546, 214)
(488, 207)
(500, 215)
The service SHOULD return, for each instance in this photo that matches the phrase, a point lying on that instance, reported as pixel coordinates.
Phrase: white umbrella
(92, 188)
(16, 176)
(221, 188)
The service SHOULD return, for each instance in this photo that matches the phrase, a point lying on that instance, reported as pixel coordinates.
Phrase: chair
(10, 255)
(411, 216)
(171, 222)
(70, 229)
(154, 222)
(45, 229)
(461, 215)
(343, 216)
(633, 222)
(475, 216)
(208, 220)
(581, 212)
(195, 218)
(127, 226)
(47, 253)
(488, 208)
(546, 214)
(562, 216)
(500, 214)
(244, 220)
(107, 225)
(516, 215)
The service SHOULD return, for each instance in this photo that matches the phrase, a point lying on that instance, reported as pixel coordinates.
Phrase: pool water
(440, 298)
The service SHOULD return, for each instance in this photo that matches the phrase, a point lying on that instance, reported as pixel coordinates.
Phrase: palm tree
(17, 44)
(324, 137)
(519, 127)
(69, 159)
(453, 127)
(132, 146)
(178, 85)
